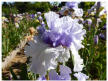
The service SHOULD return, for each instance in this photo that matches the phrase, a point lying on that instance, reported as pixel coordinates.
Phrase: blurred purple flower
(41, 29)
(40, 18)
(89, 21)
(102, 36)
(96, 39)
(72, 4)
(89, 28)
(98, 5)
(43, 24)
(104, 27)
(92, 8)
(32, 16)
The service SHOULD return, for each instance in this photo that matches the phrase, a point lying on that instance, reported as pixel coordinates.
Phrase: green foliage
(86, 5)
(7, 10)
(22, 7)
(11, 35)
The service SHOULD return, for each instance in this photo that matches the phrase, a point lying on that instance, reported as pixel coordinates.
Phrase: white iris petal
(45, 57)
(78, 62)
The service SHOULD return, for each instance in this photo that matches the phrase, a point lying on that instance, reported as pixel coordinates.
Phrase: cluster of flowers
(102, 15)
(55, 42)
(17, 18)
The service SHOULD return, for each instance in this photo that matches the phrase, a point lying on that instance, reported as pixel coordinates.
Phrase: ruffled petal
(78, 62)
(51, 17)
(64, 54)
(44, 57)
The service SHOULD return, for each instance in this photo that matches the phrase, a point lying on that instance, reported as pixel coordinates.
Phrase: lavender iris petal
(64, 74)
(46, 38)
(42, 78)
(65, 40)
(62, 30)
(51, 37)
(65, 70)
(56, 39)
(53, 75)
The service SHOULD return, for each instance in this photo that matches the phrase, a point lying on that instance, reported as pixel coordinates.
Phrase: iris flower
(53, 44)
